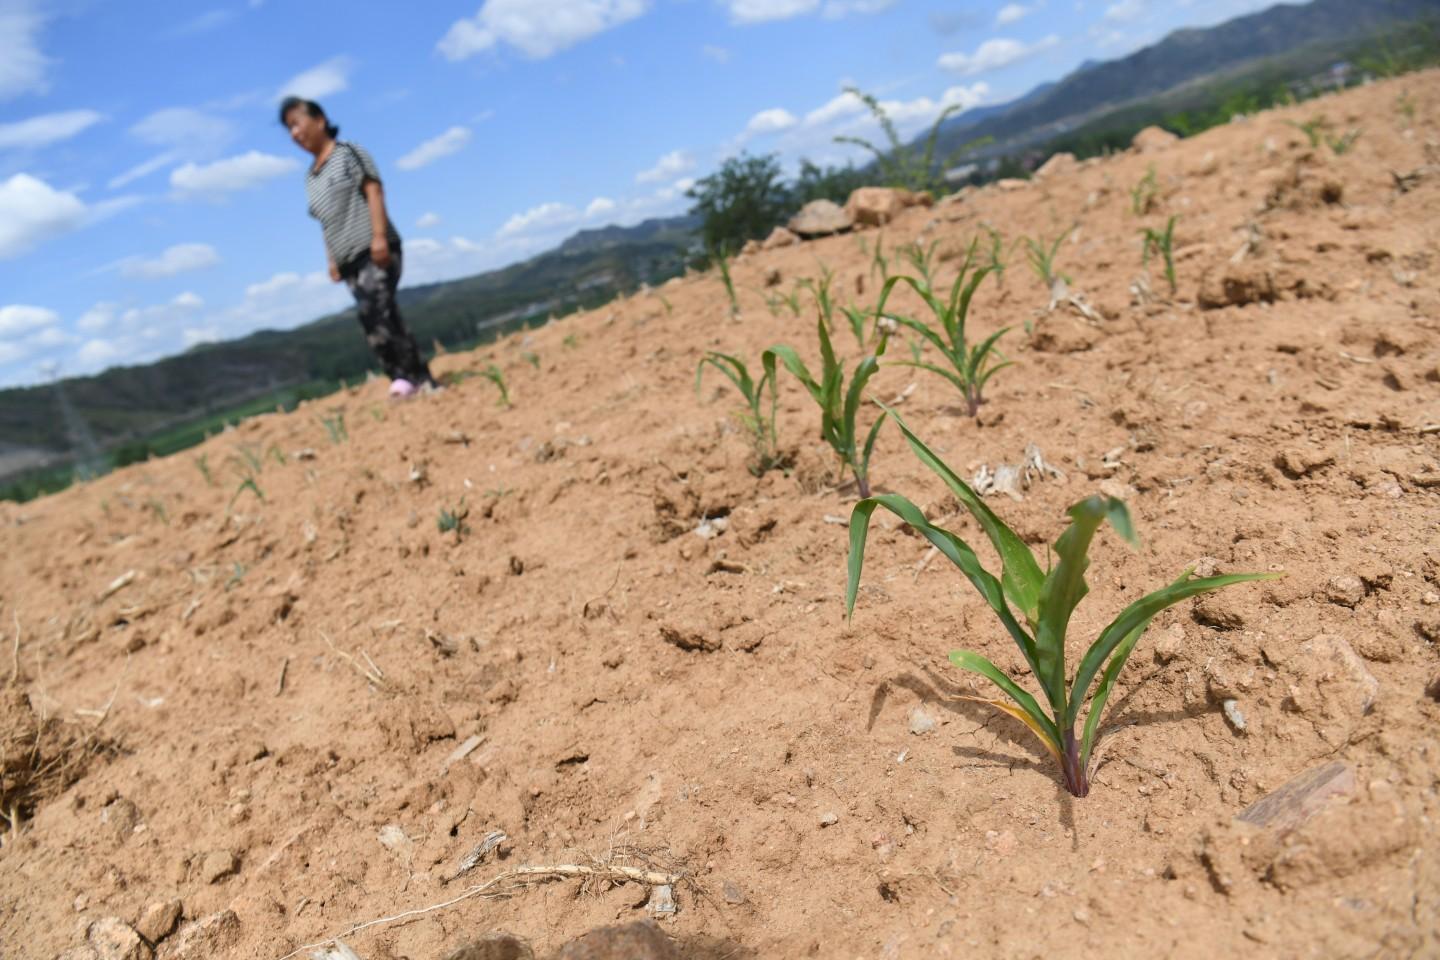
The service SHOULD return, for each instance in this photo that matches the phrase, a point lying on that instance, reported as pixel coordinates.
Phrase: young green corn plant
(1161, 242)
(454, 519)
(1144, 193)
(1044, 601)
(718, 257)
(1042, 258)
(1314, 129)
(335, 427)
(858, 319)
(922, 258)
(820, 290)
(496, 376)
(997, 255)
(756, 419)
(839, 407)
(970, 367)
(1342, 144)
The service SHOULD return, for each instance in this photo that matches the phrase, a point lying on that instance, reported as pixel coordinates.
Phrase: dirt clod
(641, 940)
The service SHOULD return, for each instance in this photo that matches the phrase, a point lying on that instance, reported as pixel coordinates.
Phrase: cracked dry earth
(272, 720)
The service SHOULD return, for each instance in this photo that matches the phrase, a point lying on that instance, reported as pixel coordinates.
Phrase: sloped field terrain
(294, 706)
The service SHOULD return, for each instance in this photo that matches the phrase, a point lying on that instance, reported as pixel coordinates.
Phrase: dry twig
(512, 881)
(373, 673)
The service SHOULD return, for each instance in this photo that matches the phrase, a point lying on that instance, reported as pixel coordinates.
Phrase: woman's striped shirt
(338, 202)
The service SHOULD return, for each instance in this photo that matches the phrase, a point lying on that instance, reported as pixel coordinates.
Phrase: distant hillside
(85, 416)
(1183, 57)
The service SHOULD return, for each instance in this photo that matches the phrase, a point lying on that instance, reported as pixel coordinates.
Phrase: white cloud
(97, 354)
(668, 167)
(46, 129)
(994, 54)
(712, 52)
(537, 28)
(187, 301)
(770, 121)
(427, 220)
(599, 207)
(1126, 11)
(190, 336)
(180, 258)
(17, 320)
(845, 105)
(545, 216)
(195, 132)
(204, 23)
(1010, 13)
(320, 81)
(287, 300)
(214, 180)
(449, 142)
(835, 9)
(143, 169)
(22, 65)
(760, 11)
(97, 317)
(31, 211)
(50, 337)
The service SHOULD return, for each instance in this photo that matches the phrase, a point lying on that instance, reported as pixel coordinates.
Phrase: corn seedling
(454, 519)
(839, 407)
(879, 263)
(247, 484)
(902, 165)
(997, 255)
(202, 463)
(277, 454)
(666, 304)
(721, 261)
(1144, 194)
(251, 457)
(335, 427)
(922, 258)
(570, 342)
(1342, 144)
(1314, 129)
(820, 290)
(1161, 241)
(237, 573)
(497, 377)
(155, 506)
(968, 367)
(793, 299)
(1405, 106)
(1042, 258)
(858, 319)
(1044, 601)
(759, 422)
(531, 358)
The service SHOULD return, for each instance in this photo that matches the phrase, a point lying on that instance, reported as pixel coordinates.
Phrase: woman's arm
(379, 223)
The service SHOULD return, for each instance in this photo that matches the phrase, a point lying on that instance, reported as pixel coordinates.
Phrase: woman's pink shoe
(401, 388)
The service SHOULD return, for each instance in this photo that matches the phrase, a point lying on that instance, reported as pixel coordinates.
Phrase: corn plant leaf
(1065, 587)
(924, 291)
(956, 550)
(925, 331)
(1005, 706)
(870, 444)
(1137, 614)
(863, 372)
(1020, 574)
(1102, 691)
(1034, 717)
(795, 365)
(732, 367)
(950, 375)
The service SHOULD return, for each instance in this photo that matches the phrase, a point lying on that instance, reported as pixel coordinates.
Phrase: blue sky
(149, 200)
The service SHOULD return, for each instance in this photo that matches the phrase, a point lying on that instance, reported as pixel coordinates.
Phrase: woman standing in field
(363, 247)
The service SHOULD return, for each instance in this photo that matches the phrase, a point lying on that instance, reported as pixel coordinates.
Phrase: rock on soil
(496, 946)
(642, 940)
(820, 217)
(877, 206)
(1301, 797)
(113, 939)
(159, 919)
(1153, 139)
(780, 237)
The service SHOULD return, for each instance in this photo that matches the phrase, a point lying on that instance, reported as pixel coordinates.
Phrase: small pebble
(921, 722)
(829, 819)
(1233, 714)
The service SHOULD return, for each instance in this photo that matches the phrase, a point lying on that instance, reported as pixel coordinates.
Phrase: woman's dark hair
(312, 108)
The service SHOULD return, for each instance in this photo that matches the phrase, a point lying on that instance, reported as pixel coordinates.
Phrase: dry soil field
(294, 707)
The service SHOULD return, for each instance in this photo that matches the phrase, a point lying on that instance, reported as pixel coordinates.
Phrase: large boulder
(820, 217)
(877, 206)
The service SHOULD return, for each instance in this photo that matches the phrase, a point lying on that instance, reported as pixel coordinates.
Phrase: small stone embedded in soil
(159, 919)
(1233, 714)
(662, 901)
(1346, 591)
(633, 941)
(206, 938)
(733, 894)
(1301, 797)
(495, 946)
(113, 939)
(829, 819)
(921, 722)
(217, 865)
